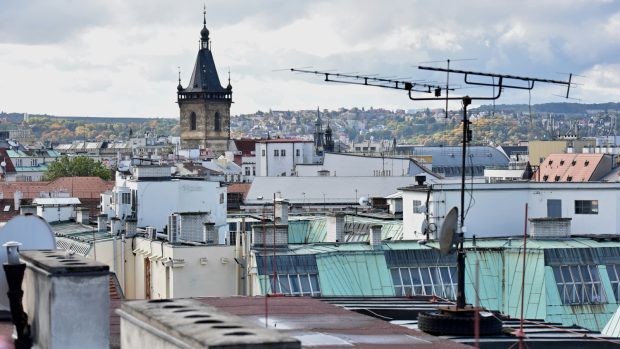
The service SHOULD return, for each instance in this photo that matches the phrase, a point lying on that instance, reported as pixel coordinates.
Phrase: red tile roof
(80, 187)
(568, 168)
(246, 146)
(243, 188)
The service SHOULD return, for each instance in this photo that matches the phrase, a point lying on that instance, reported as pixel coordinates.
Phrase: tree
(81, 166)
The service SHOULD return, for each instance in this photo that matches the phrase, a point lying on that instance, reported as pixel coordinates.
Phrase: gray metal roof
(204, 77)
(451, 156)
(308, 190)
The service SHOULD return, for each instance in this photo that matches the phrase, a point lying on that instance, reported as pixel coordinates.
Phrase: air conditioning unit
(151, 233)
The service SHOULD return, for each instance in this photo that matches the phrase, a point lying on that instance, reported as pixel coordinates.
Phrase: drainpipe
(122, 280)
(14, 271)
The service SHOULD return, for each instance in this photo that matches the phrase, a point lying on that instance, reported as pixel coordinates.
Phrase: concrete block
(189, 323)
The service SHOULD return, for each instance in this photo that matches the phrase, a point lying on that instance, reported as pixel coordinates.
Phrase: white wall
(499, 209)
(273, 166)
(55, 213)
(156, 200)
(357, 165)
(195, 278)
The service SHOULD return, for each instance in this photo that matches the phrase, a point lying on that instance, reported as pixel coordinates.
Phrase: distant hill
(560, 108)
(19, 117)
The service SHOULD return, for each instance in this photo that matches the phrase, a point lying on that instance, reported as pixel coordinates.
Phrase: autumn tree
(81, 166)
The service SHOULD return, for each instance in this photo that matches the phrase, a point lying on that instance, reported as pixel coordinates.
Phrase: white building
(150, 195)
(498, 209)
(279, 157)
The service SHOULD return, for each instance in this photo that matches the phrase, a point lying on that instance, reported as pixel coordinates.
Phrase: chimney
(131, 226)
(64, 293)
(375, 235)
(281, 213)
(82, 215)
(335, 227)
(115, 226)
(26, 210)
(420, 179)
(102, 222)
(550, 228)
(210, 233)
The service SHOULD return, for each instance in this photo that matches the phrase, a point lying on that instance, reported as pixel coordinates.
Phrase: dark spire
(229, 87)
(204, 33)
(179, 86)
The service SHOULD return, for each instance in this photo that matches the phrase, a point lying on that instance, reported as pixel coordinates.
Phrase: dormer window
(587, 163)
(574, 162)
(561, 162)
(550, 162)
(557, 178)
(569, 178)
(545, 177)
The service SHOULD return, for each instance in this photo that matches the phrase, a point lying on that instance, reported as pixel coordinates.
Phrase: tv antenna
(460, 314)
(373, 80)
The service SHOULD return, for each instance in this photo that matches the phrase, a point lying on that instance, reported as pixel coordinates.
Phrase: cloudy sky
(120, 57)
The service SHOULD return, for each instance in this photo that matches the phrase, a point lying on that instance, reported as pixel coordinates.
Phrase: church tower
(319, 139)
(204, 103)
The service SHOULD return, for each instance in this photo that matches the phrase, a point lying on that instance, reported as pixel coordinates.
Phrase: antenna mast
(498, 82)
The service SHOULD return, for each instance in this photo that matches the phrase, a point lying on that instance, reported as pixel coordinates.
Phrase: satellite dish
(363, 201)
(34, 234)
(447, 233)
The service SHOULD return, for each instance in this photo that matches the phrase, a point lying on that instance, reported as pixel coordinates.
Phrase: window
(217, 122)
(18, 162)
(416, 206)
(253, 171)
(34, 162)
(221, 198)
(283, 152)
(579, 284)
(125, 198)
(439, 281)
(263, 152)
(192, 121)
(297, 152)
(613, 271)
(276, 152)
(586, 206)
(247, 171)
(232, 238)
(296, 284)
(554, 208)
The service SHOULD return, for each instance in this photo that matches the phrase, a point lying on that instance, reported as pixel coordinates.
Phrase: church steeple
(319, 140)
(204, 103)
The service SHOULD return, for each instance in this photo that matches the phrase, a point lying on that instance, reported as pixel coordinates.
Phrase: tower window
(192, 121)
(218, 122)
